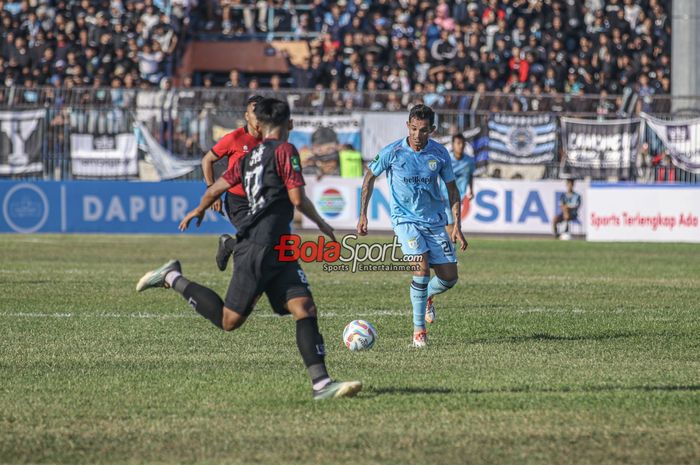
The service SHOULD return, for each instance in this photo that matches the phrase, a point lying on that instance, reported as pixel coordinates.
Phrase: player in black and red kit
(233, 145)
(273, 184)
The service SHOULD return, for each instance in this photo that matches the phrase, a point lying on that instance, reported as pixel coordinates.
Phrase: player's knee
(232, 320)
(449, 284)
(302, 307)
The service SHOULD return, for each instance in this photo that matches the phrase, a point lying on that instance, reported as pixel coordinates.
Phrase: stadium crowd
(530, 46)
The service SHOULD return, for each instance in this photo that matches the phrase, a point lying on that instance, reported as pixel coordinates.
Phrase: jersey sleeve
(289, 166)
(233, 174)
(224, 148)
(382, 161)
(446, 172)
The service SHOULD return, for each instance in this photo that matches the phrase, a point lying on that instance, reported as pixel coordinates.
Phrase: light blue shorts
(416, 240)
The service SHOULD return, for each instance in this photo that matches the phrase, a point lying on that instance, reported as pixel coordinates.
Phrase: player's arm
(302, 203)
(470, 194)
(456, 207)
(212, 194)
(208, 161)
(367, 188)
(289, 170)
(381, 163)
(220, 149)
(564, 208)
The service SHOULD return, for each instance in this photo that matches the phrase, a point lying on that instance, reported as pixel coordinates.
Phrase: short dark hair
(254, 99)
(459, 136)
(272, 111)
(423, 112)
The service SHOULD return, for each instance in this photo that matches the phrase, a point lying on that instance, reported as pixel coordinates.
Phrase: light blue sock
(438, 286)
(419, 298)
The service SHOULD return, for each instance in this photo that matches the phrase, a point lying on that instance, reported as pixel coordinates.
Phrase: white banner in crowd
(599, 147)
(681, 138)
(644, 212)
(381, 129)
(21, 136)
(104, 156)
(500, 206)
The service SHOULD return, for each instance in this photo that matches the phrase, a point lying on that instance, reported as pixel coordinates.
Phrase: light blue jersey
(463, 170)
(414, 181)
(573, 201)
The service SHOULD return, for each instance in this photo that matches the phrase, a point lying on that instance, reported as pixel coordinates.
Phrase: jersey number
(253, 184)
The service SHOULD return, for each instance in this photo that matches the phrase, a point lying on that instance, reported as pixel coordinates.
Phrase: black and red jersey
(267, 173)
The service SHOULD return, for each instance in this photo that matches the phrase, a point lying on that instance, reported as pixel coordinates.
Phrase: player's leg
(232, 205)
(443, 259)
(413, 244)
(288, 292)
(555, 224)
(203, 300)
(224, 250)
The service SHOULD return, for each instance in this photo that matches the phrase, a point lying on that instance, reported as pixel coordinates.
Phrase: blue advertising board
(103, 207)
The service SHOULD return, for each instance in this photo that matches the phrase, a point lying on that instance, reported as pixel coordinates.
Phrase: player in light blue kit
(463, 167)
(414, 166)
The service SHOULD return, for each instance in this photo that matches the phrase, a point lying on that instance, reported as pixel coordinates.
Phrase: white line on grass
(174, 315)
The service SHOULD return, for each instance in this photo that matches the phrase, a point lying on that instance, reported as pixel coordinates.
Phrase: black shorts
(256, 269)
(235, 206)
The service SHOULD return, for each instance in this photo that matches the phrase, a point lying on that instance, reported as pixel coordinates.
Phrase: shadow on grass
(580, 389)
(378, 391)
(552, 337)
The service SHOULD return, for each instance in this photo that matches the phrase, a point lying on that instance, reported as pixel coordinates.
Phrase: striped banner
(522, 140)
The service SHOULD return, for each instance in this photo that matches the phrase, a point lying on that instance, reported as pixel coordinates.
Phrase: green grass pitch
(545, 352)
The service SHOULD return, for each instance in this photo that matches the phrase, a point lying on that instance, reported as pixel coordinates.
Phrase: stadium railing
(181, 120)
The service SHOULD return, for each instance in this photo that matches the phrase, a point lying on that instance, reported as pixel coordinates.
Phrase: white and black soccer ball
(565, 236)
(359, 335)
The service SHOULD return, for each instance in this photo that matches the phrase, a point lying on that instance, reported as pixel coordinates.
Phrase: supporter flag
(21, 135)
(167, 166)
(104, 156)
(681, 139)
(521, 140)
(599, 148)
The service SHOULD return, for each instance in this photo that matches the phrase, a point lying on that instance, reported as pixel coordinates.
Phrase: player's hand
(184, 224)
(327, 229)
(216, 206)
(458, 237)
(470, 195)
(362, 225)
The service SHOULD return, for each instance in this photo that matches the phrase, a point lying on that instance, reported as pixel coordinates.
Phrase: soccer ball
(565, 236)
(359, 335)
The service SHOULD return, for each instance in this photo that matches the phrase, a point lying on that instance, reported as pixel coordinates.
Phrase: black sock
(205, 301)
(310, 343)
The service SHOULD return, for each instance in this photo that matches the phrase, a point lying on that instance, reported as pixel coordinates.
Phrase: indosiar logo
(331, 203)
